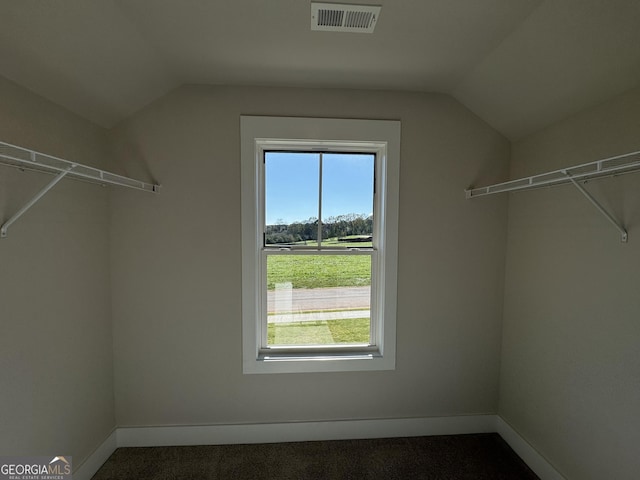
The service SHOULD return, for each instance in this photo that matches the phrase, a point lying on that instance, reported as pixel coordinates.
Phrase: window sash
(270, 249)
(265, 351)
(341, 150)
(375, 316)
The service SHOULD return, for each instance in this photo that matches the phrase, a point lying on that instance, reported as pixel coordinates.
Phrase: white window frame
(381, 137)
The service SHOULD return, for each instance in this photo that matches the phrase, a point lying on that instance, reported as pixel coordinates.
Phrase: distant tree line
(333, 227)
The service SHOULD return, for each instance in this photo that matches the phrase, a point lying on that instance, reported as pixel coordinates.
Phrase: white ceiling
(518, 64)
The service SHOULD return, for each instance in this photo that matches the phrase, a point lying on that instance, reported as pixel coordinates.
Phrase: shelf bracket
(38, 196)
(623, 233)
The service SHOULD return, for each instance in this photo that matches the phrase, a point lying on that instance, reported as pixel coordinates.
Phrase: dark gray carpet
(451, 457)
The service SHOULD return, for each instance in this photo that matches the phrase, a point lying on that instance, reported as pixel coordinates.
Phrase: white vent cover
(336, 17)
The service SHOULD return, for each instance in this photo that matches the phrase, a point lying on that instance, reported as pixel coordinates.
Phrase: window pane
(347, 199)
(291, 197)
(318, 299)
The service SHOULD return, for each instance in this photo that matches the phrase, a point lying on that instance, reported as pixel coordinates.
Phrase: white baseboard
(100, 455)
(314, 431)
(302, 431)
(526, 452)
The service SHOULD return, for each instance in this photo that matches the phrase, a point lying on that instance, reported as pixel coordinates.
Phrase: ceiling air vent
(336, 17)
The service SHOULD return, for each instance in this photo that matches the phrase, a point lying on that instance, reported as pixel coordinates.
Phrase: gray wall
(570, 379)
(56, 357)
(176, 265)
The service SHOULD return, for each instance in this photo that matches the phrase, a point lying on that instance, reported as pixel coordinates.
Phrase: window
(319, 233)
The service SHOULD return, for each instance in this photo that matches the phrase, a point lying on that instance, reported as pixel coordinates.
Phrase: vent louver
(335, 17)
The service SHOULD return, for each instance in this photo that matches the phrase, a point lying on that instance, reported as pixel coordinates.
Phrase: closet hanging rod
(611, 166)
(15, 156)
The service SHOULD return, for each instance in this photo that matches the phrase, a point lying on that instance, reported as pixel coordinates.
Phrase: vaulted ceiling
(518, 64)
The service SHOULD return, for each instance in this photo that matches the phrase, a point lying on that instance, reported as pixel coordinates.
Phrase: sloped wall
(56, 357)
(570, 379)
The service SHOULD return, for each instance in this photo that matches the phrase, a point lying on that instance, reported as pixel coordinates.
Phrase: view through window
(319, 244)
(318, 247)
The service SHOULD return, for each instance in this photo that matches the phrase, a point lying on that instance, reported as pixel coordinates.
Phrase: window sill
(288, 363)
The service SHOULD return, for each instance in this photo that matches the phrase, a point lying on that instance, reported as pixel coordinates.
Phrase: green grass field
(330, 332)
(319, 271)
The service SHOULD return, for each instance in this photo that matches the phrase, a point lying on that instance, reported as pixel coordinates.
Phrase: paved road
(318, 316)
(303, 299)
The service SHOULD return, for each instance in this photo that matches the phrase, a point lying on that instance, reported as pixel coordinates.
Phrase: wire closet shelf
(27, 159)
(606, 167)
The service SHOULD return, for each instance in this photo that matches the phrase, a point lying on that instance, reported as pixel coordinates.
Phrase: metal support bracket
(30, 203)
(623, 233)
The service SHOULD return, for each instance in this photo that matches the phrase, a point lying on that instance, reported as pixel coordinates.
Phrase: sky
(292, 185)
